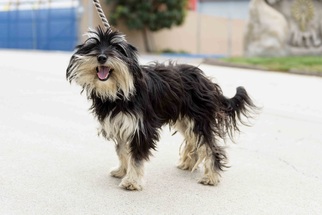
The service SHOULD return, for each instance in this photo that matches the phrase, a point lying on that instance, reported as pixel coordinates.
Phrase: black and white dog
(132, 102)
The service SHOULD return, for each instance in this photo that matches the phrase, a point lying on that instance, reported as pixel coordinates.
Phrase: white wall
(225, 8)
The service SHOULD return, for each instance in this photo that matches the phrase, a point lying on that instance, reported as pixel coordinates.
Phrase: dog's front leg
(134, 175)
(122, 151)
(139, 151)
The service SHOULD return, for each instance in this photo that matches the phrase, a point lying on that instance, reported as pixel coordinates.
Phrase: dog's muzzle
(103, 72)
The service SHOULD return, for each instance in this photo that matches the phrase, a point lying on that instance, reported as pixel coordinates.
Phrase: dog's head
(105, 65)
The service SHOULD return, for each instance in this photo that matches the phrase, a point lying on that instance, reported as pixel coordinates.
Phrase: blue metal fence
(45, 29)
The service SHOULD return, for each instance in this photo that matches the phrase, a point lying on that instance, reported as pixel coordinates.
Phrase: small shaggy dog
(132, 102)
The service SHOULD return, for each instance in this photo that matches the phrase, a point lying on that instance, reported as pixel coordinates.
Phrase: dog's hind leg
(123, 154)
(188, 156)
(214, 161)
(188, 150)
(210, 176)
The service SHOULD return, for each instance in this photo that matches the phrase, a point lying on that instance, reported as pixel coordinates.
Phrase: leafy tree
(147, 15)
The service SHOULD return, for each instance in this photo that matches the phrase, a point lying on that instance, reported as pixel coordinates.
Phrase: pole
(229, 30)
(198, 33)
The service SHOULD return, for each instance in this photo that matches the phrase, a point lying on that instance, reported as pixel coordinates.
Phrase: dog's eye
(91, 41)
(121, 50)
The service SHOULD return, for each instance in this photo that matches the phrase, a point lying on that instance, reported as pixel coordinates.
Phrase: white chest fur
(120, 127)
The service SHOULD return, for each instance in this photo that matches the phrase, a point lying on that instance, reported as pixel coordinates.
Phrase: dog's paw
(208, 180)
(129, 184)
(183, 166)
(118, 172)
(188, 165)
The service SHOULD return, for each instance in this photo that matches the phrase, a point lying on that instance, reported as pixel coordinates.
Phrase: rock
(283, 27)
(267, 31)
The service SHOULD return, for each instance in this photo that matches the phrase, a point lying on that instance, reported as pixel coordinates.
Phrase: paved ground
(52, 162)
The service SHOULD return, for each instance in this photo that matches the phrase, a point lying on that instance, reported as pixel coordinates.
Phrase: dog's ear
(133, 55)
(136, 70)
(133, 52)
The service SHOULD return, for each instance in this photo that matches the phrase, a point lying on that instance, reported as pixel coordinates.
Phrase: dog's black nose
(102, 58)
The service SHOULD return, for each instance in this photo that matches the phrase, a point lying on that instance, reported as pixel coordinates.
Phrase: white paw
(130, 184)
(208, 180)
(184, 166)
(188, 164)
(118, 172)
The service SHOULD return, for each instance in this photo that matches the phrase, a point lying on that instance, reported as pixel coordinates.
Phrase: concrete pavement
(52, 161)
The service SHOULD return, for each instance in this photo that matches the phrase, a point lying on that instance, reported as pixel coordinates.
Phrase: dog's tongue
(103, 72)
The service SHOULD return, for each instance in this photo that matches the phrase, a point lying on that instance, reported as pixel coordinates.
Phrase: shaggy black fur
(165, 94)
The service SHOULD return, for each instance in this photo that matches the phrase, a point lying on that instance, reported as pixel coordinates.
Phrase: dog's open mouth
(103, 72)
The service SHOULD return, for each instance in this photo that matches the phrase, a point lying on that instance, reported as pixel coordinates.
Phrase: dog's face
(105, 65)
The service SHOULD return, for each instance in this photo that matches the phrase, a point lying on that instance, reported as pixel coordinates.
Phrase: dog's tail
(234, 111)
(239, 109)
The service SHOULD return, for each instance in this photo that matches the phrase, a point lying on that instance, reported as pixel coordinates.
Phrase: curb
(216, 62)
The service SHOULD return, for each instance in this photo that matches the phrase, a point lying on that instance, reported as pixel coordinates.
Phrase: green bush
(147, 15)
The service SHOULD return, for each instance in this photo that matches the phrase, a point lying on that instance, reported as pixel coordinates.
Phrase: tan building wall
(213, 36)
